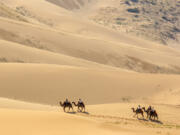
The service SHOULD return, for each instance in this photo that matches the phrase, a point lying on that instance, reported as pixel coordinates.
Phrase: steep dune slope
(71, 4)
(85, 40)
(17, 53)
(84, 44)
(21, 105)
(10, 13)
(49, 84)
(96, 50)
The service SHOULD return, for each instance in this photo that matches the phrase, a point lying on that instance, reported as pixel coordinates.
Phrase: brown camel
(81, 106)
(66, 105)
(138, 111)
(153, 114)
(146, 111)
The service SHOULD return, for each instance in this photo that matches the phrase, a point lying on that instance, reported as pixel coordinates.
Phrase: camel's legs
(155, 117)
(142, 115)
(150, 117)
(69, 108)
(81, 109)
(72, 109)
(136, 114)
(147, 115)
(78, 109)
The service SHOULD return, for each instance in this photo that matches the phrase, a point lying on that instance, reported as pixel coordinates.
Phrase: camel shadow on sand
(142, 119)
(71, 112)
(156, 121)
(87, 113)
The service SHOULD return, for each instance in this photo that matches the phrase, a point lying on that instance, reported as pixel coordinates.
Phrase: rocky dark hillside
(157, 20)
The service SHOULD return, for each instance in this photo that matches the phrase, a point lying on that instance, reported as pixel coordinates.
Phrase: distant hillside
(158, 20)
(56, 35)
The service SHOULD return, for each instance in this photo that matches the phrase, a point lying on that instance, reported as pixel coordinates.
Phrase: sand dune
(114, 54)
(16, 53)
(49, 83)
(103, 119)
(21, 105)
(71, 4)
(49, 123)
(51, 50)
(82, 39)
(10, 13)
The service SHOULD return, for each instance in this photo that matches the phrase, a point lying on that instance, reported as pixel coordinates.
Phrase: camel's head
(60, 103)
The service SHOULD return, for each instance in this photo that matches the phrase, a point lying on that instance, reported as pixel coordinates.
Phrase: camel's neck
(133, 110)
(74, 103)
(61, 104)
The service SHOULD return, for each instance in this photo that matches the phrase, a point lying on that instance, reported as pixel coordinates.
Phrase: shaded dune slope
(96, 50)
(48, 84)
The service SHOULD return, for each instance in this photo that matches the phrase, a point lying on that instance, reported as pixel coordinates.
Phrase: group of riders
(151, 112)
(67, 104)
(67, 101)
(150, 108)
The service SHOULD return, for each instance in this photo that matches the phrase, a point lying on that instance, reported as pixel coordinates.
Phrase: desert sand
(27, 118)
(52, 50)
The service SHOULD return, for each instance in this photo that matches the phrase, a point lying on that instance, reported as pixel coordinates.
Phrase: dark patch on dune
(24, 40)
(70, 4)
(7, 12)
(6, 60)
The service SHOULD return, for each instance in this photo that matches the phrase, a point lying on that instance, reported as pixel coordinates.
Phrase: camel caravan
(67, 104)
(151, 113)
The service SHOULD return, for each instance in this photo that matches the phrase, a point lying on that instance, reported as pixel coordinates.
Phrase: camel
(147, 111)
(150, 113)
(66, 105)
(153, 114)
(80, 105)
(138, 111)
